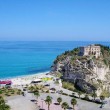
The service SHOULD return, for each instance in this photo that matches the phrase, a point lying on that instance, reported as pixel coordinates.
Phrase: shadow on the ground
(56, 103)
(70, 108)
(33, 100)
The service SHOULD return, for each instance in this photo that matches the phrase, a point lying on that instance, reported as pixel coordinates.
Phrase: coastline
(21, 76)
(26, 79)
(29, 58)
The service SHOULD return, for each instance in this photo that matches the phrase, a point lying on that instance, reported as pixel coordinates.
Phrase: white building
(90, 50)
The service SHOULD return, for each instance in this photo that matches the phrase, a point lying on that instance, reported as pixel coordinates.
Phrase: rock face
(86, 72)
(84, 86)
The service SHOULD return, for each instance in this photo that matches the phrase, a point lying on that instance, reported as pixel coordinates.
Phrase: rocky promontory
(86, 71)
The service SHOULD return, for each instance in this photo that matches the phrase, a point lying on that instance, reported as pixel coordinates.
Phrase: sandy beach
(27, 79)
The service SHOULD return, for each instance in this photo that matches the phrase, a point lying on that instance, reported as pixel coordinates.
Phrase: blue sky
(55, 20)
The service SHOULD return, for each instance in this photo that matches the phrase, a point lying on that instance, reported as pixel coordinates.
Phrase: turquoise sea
(26, 58)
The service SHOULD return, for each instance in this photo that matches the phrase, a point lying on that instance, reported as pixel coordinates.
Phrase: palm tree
(48, 101)
(36, 88)
(41, 87)
(31, 88)
(59, 100)
(73, 103)
(65, 105)
(37, 94)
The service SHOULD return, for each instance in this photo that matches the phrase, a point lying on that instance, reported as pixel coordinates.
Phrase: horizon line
(51, 41)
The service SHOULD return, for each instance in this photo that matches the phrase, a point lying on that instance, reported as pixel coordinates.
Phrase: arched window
(94, 53)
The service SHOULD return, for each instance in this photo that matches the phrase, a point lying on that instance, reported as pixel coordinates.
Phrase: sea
(20, 58)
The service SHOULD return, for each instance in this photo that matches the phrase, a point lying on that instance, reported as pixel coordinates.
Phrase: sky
(54, 20)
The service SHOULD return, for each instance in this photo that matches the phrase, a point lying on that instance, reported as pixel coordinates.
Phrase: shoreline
(22, 76)
(27, 79)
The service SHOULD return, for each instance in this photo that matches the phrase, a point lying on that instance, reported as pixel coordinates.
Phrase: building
(90, 50)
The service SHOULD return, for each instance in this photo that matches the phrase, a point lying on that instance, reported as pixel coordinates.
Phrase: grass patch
(4, 92)
(68, 85)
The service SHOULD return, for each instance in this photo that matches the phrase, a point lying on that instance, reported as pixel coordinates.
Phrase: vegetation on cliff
(64, 55)
(74, 54)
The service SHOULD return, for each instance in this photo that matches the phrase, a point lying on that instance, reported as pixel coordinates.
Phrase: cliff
(88, 73)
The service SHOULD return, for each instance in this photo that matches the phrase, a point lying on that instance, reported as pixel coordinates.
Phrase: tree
(2, 102)
(94, 95)
(48, 101)
(61, 92)
(102, 98)
(65, 105)
(3, 105)
(19, 91)
(31, 88)
(59, 100)
(73, 103)
(7, 107)
(23, 94)
(86, 97)
(79, 93)
(37, 94)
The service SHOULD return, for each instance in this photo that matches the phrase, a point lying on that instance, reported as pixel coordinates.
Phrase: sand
(28, 79)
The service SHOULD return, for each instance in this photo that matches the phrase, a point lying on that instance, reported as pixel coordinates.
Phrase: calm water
(25, 58)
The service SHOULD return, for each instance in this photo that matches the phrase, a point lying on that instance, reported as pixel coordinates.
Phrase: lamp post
(42, 102)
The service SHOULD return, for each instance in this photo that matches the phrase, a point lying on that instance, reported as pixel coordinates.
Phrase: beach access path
(21, 103)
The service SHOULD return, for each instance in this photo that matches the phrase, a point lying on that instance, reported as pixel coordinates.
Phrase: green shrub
(105, 93)
(68, 86)
(106, 62)
(1, 92)
(86, 97)
(47, 91)
(65, 94)
(12, 92)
